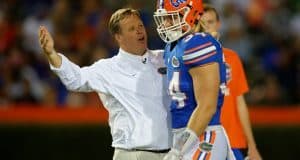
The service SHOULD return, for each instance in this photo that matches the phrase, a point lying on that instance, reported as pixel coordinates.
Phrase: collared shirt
(133, 92)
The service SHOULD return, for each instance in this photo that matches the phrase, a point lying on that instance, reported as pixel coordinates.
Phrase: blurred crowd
(266, 34)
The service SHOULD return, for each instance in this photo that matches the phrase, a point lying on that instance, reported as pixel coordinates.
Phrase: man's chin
(143, 46)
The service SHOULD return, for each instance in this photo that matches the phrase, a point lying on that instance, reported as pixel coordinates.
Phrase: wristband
(188, 139)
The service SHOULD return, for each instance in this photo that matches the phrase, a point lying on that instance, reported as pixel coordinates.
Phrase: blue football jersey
(192, 50)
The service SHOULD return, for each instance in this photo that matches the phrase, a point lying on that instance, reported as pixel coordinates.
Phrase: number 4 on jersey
(175, 92)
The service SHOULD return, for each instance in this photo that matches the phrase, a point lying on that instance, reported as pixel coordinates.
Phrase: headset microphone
(144, 60)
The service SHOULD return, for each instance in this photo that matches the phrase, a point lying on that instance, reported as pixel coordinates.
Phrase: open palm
(46, 40)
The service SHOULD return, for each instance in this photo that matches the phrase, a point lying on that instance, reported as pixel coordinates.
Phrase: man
(196, 75)
(235, 116)
(130, 85)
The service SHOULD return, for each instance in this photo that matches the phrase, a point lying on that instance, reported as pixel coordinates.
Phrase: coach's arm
(75, 78)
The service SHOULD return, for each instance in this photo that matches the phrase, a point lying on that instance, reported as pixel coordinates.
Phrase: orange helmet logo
(176, 3)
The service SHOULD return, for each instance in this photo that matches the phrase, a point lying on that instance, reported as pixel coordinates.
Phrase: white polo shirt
(133, 92)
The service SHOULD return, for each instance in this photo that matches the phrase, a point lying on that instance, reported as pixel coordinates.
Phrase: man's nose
(168, 22)
(139, 30)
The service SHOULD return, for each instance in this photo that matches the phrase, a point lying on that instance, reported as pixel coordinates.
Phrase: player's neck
(173, 44)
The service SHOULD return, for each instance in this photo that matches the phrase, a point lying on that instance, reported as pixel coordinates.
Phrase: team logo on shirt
(205, 146)
(175, 62)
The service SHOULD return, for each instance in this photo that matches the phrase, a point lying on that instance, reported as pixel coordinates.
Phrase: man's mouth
(141, 39)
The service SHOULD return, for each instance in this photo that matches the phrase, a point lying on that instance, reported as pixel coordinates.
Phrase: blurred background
(40, 119)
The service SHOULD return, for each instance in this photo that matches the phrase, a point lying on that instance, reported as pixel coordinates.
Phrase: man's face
(170, 20)
(211, 24)
(132, 37)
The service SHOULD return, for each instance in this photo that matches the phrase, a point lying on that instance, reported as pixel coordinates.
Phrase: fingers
(43, 36)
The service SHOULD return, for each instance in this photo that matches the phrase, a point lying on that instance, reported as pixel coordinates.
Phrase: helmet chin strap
(173, 35)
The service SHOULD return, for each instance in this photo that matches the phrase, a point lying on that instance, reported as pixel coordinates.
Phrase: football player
(197, 82)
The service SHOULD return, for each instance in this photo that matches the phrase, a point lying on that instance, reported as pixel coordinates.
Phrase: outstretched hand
(46, 41)
(47, 45)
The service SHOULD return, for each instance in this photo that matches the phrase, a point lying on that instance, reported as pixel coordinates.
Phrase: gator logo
(175, 62)
(205, 146)
(177, 3)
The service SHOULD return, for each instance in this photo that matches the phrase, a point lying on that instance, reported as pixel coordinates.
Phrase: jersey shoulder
(200, 48)
(199, 40)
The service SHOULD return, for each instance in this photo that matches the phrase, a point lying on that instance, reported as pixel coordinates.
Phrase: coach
(131, 86)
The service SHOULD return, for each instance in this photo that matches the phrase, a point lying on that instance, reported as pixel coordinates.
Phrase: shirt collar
(131, 57)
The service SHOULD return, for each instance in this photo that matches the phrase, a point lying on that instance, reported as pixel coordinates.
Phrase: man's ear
(117, 37)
